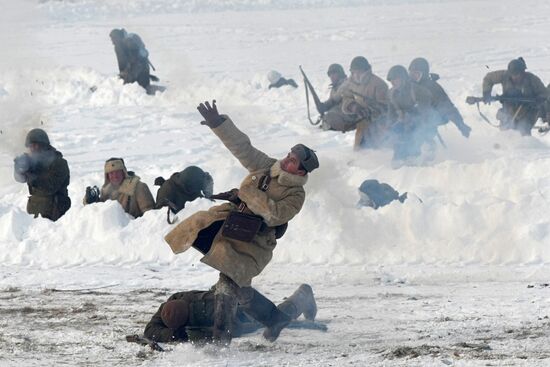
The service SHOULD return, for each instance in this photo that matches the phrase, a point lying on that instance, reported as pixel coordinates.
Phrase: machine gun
(471, 100)
(475, 100)
(318, 104)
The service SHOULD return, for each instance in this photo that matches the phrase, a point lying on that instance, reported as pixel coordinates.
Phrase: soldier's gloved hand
(465, 130)
(208, 185)
(212, 118)
(487, 97)
(92, 195)
(22, 163)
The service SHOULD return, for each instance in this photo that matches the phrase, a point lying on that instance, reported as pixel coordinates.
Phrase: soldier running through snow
(133, 59)
(188, 316)
(46, 174)
(419, 71)
(411, 115)
(123, 186)
(365, 95)
(523, 96)
(238, 238)
(333, 116)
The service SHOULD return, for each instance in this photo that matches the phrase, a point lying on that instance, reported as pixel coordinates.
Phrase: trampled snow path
(484, 201)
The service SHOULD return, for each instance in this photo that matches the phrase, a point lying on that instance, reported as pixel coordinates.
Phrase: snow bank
(483, 200)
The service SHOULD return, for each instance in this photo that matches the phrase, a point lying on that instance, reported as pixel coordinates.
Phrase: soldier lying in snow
(189, 316)
(375, 194)
(182, 187)
(124, 187)
(276, 80)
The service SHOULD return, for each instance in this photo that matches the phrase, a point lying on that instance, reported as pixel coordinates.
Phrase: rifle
(475, 100)
(318, 104)
(141, 340)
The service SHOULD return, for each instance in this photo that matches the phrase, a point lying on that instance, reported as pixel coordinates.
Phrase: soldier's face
(356, 75)
(334, 78)
(517, 78)
(415, 75)
(291, 164)
(116, 177)
(396, 83)
(35, 148)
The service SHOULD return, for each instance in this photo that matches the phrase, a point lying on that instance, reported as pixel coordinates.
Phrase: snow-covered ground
(443, 281)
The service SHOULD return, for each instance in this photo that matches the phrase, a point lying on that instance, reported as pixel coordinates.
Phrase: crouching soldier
(46, 174)
(238, 238)
(366, 96)
(410, 114)
(523, 96)
(189, 316)
(182, 187)
(419, 71)
(123, 186)
(331, 109)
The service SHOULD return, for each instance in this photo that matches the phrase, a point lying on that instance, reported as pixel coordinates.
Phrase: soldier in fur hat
(126, 188)
(238, 238)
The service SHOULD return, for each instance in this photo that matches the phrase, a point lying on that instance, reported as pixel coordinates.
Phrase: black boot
(264, 311)
(225, 309)
(301, 301)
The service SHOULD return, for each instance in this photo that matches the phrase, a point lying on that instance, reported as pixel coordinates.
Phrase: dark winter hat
(37, 136)
(175, 313)
(397, 72)
(420, 64)
(360, 63)
(307, 157)
(517, 66)
(336, 69)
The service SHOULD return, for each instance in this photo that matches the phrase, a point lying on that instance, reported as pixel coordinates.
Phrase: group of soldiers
(47, 176)
(407, 115)
(237, 238)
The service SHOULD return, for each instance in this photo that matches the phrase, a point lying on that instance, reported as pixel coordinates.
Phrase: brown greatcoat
(371, 94)
(441, 102)
(334, 118)
(242, 261)
(411, 103)
(134, 195)
(519, 116)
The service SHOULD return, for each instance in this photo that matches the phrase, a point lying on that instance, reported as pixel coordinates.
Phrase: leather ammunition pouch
(241, 226)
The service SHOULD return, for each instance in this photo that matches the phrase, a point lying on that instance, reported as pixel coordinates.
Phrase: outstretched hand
(212, 118)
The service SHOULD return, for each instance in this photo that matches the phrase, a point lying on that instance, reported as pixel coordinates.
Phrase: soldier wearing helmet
(528, 90)
(365, 95)
(410, 114)
(46, 174)
(419, 71)
(333, 117)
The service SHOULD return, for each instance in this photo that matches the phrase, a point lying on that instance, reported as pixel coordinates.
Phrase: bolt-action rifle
(318, 104)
